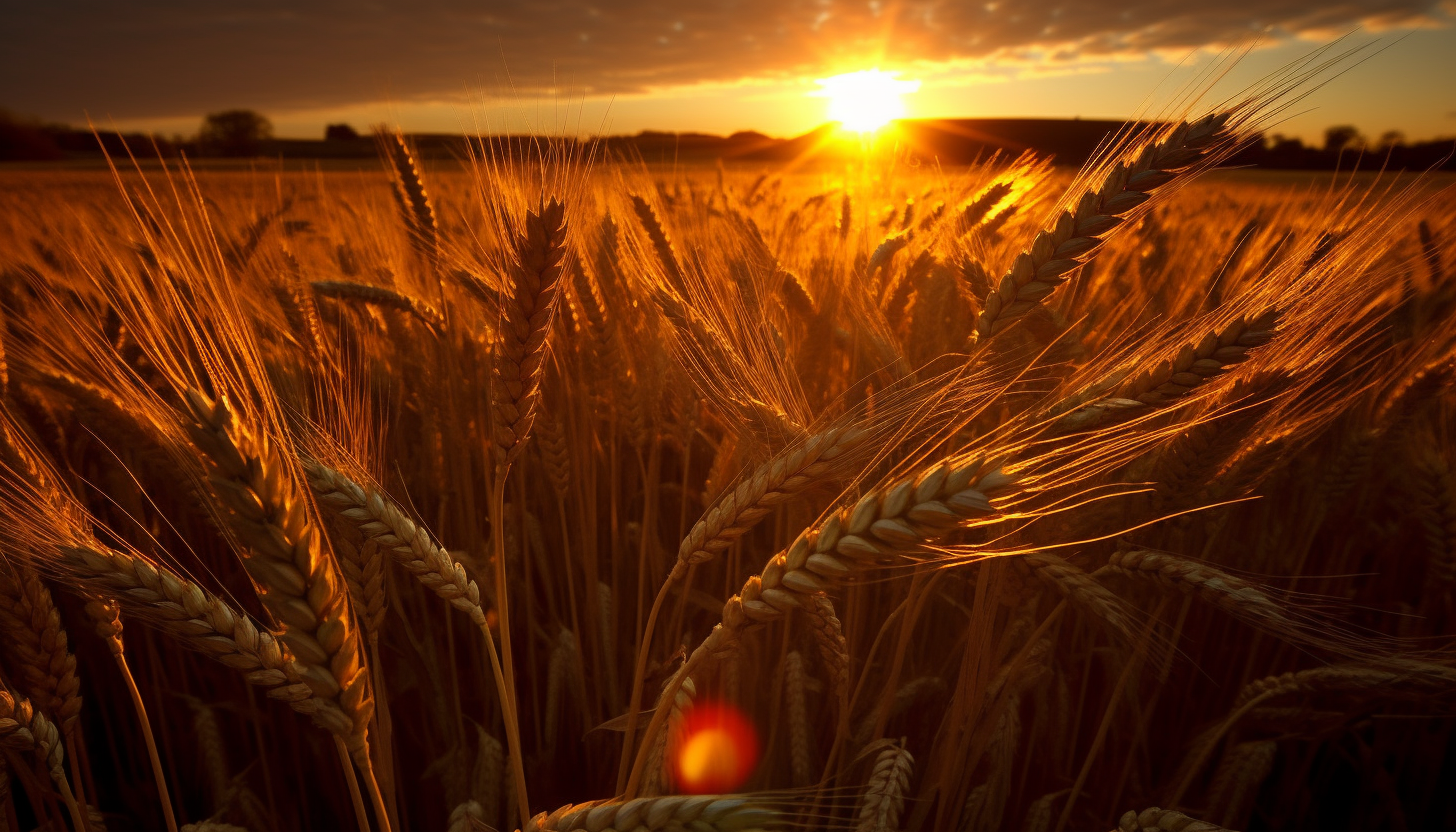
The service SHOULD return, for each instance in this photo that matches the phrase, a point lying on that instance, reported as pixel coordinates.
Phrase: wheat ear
(1082, 589)
(536, 281)
(701, 813)
(661, 242)
(1172, 379)
(796, 707)
(36, 647)
(1239, 776)
(379, 521)
(193, 616)
(772, 484)
(380, 296)
(410, 194)
(828, 632)
(884, 796)
(1213, 585)
(1163, 820)
(909, 512)
(1070, 241)
(23, 728)
(302, 587)
(658, 775)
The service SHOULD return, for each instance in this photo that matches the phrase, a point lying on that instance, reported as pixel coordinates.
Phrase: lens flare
(715, 750)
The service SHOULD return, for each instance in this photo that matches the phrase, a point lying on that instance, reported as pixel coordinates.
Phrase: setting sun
(867, 100)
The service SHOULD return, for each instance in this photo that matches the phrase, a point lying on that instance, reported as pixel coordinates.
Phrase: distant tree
(234, 133)
(26, 139)
(1390, 138)
(1343, 137)
(340, 133)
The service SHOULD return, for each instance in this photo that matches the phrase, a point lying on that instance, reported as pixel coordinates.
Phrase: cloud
(154, 58)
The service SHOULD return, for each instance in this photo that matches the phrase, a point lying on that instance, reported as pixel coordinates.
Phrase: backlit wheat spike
(659, 776)
(910, 512)
(1077, 233)
(35, 647)
(812, 461)
(303, 590)
(884, 795)
(563, 681)
(410, 194)
(361, 562)
(105, 618)
(1163, 820)
(1179, 376)
(701, 813)
(977, 209)
(379, 521)
(538, 256)
(380, 296)
(154, 594)
(661, 241)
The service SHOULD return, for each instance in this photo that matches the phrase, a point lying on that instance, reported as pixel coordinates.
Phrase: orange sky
(717, 66)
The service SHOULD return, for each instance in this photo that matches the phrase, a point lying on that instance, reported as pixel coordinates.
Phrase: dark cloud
(155, 58)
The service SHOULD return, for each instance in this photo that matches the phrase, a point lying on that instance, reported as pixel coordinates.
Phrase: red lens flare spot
(715, 750)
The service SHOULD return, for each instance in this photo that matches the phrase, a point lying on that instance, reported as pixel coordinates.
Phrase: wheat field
(1000, 497)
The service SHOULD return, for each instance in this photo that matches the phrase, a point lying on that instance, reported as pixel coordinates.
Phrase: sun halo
(867, 100)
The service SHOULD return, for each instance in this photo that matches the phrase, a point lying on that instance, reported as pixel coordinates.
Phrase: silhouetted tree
(233, 133)
(340, 133)
(1342, 137)
(1390, 138)
(26, 139)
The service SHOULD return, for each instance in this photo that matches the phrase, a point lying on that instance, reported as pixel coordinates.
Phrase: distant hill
(945, 141)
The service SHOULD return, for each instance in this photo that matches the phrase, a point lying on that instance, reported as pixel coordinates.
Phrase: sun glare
(867, 100)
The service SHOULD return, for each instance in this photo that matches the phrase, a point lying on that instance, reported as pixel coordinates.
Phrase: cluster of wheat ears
(1033, 500)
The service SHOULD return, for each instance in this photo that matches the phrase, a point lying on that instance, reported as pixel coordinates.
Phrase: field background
(1103, 626)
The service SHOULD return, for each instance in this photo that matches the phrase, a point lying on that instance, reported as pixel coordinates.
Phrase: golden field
(991, 497)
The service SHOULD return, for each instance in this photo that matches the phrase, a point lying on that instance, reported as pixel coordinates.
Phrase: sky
(715, 66)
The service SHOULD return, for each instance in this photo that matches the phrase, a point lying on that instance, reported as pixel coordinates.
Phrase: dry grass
(1161, 517)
